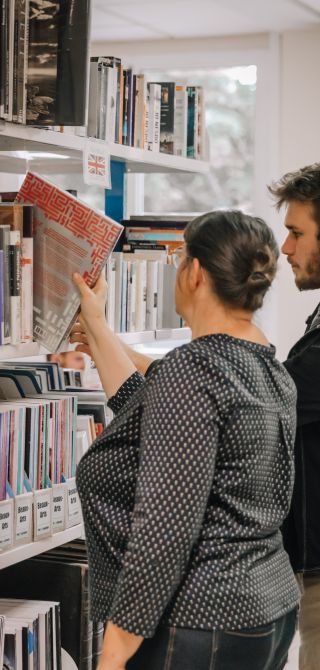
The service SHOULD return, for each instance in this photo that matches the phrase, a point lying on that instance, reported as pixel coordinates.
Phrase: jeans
(262, 648)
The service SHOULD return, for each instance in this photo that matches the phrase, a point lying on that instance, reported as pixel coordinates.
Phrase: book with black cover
(58, 62)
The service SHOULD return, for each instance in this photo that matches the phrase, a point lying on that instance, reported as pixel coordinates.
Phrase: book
(57, 63)
(181, 120)
(27, 275)
(15, 286)
(69, 236)
(167, 114)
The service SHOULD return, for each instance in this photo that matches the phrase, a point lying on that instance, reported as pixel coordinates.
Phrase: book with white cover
(154, 113)
(181, 121)
(152, 293)
(118, 257)
(141, 296)
(111, 295)
(161, 267)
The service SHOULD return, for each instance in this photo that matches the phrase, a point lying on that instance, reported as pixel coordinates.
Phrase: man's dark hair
(302, 186)
(238, 251)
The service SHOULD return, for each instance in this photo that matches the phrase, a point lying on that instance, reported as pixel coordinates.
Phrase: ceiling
(126, 20)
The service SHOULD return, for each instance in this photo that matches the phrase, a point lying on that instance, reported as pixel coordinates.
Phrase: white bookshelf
(69, 148)
(22, 552)
(8, 351)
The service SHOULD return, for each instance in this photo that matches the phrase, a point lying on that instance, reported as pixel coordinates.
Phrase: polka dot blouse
(184, 493)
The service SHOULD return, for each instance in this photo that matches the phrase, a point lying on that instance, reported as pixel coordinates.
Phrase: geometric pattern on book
(74, 216)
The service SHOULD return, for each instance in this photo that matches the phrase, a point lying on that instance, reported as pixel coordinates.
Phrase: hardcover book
(69, 237)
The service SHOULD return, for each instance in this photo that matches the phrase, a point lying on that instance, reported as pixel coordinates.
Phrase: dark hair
(302, 185)
(239, 252)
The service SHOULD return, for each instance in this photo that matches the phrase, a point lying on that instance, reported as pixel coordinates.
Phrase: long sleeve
(304, 369)
(126, 390)
(179, 437)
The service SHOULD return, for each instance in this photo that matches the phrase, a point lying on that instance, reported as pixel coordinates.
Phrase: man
(300, 192)
(74, 360)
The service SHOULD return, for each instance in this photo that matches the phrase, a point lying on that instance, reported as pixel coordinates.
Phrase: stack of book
(142, 273)
(32, 637)
(60, 575)
(43, 61)
(127, 109)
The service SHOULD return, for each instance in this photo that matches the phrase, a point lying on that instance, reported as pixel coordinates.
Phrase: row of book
(141, 274)
(59, 576)
(32, 636)
(16, 273)
(43, 61)
(44, 431)
(128, 109)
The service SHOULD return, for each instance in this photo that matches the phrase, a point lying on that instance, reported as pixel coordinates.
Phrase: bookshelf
(25, 551)
(8, 351)
(17, 138)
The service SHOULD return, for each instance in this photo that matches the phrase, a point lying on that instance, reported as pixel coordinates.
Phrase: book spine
(1, 299)
(9, 68)
(181, 121)
(3, 55)
(151, 307)
(19, 61)
(130, 108)
(111, 101)
(141, 296)
(93, 100)
(15, 285)
(5, 241)
(42, 74)
(192, 122)
(167, 117)
(154, 117)
(27, 290)
(102, 98)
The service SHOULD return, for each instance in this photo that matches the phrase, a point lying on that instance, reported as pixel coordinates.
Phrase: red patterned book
(69, 237)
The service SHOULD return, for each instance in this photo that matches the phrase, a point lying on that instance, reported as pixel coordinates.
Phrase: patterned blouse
(184, 493)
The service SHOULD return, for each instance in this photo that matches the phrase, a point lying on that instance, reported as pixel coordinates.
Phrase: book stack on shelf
(142, 274)
(59, 575)
(127, 109)
(43, 61)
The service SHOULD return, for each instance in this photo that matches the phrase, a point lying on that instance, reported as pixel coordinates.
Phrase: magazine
(69, 236)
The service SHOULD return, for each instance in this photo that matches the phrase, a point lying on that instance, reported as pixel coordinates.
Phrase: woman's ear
(196, 275)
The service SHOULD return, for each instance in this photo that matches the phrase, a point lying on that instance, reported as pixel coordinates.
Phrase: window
(230, 100)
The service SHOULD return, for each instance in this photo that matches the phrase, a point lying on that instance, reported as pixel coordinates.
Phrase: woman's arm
(179, 440)
(78, 335)
(113, 364)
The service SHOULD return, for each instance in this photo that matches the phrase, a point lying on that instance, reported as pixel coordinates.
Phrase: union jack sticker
(96, 164)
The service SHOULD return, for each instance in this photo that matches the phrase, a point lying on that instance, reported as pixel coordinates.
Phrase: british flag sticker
(96, 164)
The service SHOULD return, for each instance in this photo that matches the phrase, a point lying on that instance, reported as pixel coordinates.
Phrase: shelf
(15, 138)
(22, 552)
(8, 351)
(137, 338)
(173, 334)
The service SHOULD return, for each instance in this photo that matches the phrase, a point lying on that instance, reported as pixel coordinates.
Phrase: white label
(73, 501)
(96, 163)
(23, 518)
(43, 513)
(6, 524)
(58, 509)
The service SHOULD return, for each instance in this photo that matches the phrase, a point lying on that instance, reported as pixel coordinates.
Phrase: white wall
(299, 146)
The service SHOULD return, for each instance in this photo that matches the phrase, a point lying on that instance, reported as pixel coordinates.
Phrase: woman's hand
(118, 647)
(78, 335)
(93, 302)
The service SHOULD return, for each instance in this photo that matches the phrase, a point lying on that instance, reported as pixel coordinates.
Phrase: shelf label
(23, 522)
(42, 513)
(96, 163)
(6, 523)
(74, 509)
(59, 507)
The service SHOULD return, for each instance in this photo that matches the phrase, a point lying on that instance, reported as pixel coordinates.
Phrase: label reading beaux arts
(6, 524)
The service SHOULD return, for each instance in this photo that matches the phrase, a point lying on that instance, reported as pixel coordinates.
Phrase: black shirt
(184, 493)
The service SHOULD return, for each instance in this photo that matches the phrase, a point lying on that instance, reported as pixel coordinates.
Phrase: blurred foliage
(230, 96)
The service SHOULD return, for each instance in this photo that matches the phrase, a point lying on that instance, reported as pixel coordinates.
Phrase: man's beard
(311, 278)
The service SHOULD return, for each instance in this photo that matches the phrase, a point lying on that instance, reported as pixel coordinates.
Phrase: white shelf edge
(137, 160)
(137, 337)
(8, 351)
(173, 334)
(25, 551)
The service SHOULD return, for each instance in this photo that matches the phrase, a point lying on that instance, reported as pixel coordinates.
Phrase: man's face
(302, 246)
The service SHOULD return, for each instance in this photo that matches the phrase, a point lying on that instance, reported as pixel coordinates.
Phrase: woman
(184, 493)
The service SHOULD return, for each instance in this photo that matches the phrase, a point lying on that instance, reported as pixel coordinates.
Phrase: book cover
(27, 275)
(167, 115)
(69, 237)
(15, 286)
(57, 62)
